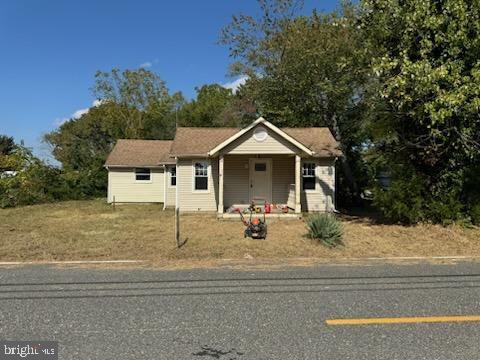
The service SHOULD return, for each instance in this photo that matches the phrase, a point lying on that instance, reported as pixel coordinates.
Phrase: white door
(261, 180)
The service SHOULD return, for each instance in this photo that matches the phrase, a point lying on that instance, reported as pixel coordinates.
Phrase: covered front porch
(271, 178)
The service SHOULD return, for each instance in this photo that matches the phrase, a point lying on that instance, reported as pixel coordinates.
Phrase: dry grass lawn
(80, 230)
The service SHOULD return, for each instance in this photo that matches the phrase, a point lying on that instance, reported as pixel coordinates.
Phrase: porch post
(165, 186)
(298, 207)
(220, 184)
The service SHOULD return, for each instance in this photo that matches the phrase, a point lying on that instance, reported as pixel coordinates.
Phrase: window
(260, 134)
(308, 176)
(142, 174)
(201, 175)
(260, 167)
(173, 176)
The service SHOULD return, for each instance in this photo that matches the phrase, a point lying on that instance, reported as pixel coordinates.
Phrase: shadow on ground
(367, 215)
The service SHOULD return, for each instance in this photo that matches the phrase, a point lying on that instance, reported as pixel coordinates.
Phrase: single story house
(214, 169)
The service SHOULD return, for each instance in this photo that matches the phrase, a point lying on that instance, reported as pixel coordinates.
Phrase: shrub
(446, 208)
(475, 214)
(326, 229)
(34, 182)
(403, 201)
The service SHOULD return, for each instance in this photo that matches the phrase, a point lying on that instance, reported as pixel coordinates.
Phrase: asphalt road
(227, 314)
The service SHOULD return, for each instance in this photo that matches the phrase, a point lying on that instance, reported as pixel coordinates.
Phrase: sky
(51, 49)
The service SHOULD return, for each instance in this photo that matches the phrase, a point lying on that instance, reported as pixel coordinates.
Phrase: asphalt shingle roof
(197, 141)
(129, 152)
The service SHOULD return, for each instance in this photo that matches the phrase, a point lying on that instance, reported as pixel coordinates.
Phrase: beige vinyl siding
(191, 200)
(283, 178)
(327, 182)
(273, 144)
(236, 178)
(170, 190)
(122, 185)
(320, 199)
(236, 182)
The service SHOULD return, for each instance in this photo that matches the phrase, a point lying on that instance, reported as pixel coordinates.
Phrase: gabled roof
(129, 152)
(204, 142)
(264, 122)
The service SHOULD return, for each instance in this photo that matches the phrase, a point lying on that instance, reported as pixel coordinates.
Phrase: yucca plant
(326, 229)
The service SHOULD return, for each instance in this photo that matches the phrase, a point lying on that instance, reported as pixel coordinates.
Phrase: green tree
(140, 104)
(216, 106)
(131, 104)
(426, 98)
(82, 146)
(7, 144)
(306, 71)
(32, 182)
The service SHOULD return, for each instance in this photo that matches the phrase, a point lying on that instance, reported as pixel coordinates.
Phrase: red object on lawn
(268, 208)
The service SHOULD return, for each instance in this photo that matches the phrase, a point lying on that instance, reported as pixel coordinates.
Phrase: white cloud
(60, 121)
(146, 64)
(234, 85)
(77, 114)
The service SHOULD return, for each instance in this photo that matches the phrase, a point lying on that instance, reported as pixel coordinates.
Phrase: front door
(261, 180)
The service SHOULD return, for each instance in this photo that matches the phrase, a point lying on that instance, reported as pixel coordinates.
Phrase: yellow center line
(403, 320)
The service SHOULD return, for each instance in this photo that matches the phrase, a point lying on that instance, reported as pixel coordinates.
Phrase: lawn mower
(256, 228)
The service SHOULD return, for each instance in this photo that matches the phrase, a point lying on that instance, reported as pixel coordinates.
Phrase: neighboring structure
(213, 169)
(7, 173)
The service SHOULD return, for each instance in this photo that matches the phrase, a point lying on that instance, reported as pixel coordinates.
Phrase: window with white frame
(173, 176)
(308, 176)
(201, 175)
(142, 174)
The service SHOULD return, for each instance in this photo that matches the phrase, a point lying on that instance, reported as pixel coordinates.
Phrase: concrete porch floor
(276, 212)
(236, 216)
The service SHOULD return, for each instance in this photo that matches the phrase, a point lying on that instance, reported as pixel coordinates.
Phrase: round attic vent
(260, 134)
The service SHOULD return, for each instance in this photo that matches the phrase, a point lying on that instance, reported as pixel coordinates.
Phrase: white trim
(109, 187)
(113, 167)
(317, 176)
(169, 176)
(251, 169)
(221, 171)
(209, 174)
(298, 179)
(272, 127)
(141, 181)
(164, 187)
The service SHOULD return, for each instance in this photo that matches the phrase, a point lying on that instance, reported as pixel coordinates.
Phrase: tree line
(397, 83)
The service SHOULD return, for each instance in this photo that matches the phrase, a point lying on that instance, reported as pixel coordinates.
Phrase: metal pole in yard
(177, 209)
(113, 202)
(177, 226)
